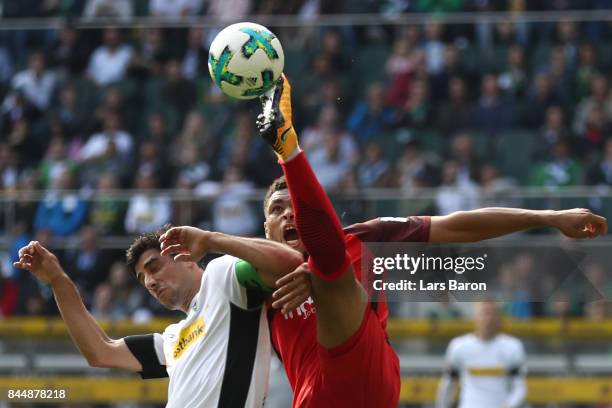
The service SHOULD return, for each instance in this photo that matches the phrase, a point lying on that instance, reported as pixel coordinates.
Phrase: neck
(194, 288)
(485, 336)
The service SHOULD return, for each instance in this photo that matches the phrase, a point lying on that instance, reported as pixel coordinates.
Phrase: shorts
(361, 372)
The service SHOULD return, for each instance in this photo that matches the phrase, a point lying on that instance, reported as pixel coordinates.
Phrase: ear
(267, 231)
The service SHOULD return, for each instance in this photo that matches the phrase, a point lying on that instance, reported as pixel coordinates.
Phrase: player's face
(487, 318)
(280, 222)
(159, 275)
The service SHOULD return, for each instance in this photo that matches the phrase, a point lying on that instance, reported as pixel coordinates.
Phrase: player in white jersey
(219, 354)
(489, 365)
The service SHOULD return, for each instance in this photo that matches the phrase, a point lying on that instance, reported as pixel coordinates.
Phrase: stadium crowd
(474, 110)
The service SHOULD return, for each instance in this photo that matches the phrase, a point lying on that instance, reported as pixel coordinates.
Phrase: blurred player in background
(343, 357)
(219, 354)
(489, 365)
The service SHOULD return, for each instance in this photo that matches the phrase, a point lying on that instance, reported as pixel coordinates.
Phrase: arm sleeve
(446, 388)
(149, 350)
(238, 280)
(444, 396)
(517, 374)
(392, 229)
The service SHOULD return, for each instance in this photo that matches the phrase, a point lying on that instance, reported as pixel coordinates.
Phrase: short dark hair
(142, 244)
(277, 185)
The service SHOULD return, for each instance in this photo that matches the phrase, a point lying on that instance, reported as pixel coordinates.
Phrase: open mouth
(290, 235)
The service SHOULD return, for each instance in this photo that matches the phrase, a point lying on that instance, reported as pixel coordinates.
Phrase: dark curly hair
(141, 244)
(277, 185)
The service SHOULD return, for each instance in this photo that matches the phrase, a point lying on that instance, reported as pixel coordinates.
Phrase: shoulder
(222, 262)
(462, 341)
(511, 341)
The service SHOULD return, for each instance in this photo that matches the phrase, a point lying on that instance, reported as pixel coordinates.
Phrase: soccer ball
(245, 60)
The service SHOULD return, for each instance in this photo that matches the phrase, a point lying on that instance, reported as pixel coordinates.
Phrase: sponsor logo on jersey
(305, 310)
(487, 371)
(188, 336)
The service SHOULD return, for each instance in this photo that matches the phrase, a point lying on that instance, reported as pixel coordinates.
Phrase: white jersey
(219, 355)
(491, 373)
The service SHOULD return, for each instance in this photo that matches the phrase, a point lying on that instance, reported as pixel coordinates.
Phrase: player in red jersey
(338, 354)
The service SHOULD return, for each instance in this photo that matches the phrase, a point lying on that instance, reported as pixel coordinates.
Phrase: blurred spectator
(103, 307)
(567, 38)
(151, 161)
(334, 49)
(560, 170)
(70, 112)
(195, 59)
(374, 169)
(177, 92)
(110, 61)
(37, 82)
(127, 295)
(151, 54)
(588, 67)
(601, 173)
(107, 212)
(113, 100)
(9, 295)
(86, 264)
(157, 129)
(192, 170)
(232, 213)
(452, 195)
(515, 279)
(468, 164)
(561, 76)
(329, 163)
(174, 8)
(9, 171)
(111, 141)
(513, 79)
(371, 117)
(147, 211)
(68, 55)
(328, 122)
(434, 47)
(199, 132)
(228, 10)
(62, 210)
(492, 114)
(453, 67)
(403, 64)
(6, 67)
(495, 189)
(596, 130)
(416, 112)
(599, 98)
(554, 130)
(55, 163)
(539, 99)
(118, 9)
(415, 167)
(454, 114)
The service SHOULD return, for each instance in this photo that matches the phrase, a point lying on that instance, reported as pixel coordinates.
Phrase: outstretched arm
(271, 259)
(487, 223)
(99, 349)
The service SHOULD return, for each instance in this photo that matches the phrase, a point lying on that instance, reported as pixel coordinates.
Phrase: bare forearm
(86, 333)
(487, 223)
(444, 397)
(267, 256)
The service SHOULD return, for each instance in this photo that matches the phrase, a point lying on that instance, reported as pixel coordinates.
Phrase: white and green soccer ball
(245, 60)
